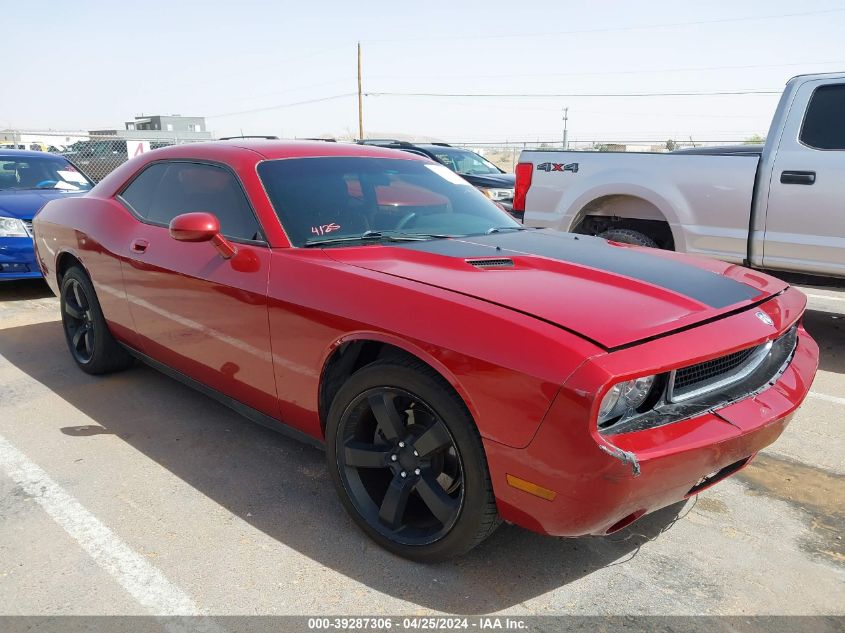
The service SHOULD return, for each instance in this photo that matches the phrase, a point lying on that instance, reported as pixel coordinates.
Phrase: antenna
(565, 128)
(360, 99)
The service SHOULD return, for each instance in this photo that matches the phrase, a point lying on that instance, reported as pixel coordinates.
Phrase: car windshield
(463, 161)
(37, 172)
(344, 199)
(99, 149)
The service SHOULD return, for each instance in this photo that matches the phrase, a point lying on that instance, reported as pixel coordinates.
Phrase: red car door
(193, 310)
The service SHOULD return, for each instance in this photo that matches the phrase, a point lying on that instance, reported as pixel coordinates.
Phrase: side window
(445, 159)
(824, 123)
(187, 187)
(139, 193)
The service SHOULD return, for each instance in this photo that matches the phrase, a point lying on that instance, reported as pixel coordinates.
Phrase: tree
(671, 145)
(754, 139)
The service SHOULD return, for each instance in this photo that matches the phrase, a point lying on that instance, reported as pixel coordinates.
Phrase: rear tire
(629, 236)
(399, 416)
(91, 344)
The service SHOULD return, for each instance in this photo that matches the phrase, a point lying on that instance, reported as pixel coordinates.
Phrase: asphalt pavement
(132, 494)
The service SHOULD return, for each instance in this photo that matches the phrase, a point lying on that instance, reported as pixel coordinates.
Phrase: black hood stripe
(699, 284)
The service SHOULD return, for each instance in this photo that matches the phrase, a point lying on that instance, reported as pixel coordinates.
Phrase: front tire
(91, 344)
(408, 463)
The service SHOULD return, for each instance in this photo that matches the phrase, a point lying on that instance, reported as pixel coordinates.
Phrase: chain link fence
(506, 154)
(96, 155)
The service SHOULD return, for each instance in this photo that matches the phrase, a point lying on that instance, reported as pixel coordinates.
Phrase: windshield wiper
(375, 236)
(500, 229)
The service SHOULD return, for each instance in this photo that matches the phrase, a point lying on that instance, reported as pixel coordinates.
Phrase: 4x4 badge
(765, 318)
(573, 167)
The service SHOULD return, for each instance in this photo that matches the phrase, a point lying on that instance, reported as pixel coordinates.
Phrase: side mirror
(200, 226)
(194, 227)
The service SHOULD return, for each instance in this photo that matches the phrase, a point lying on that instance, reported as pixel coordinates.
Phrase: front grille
(725, 371)
(28, 225)
(689, 376)
(491, 263)
(693, 390)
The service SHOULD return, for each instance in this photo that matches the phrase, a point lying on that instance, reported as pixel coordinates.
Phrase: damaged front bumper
(601, 483)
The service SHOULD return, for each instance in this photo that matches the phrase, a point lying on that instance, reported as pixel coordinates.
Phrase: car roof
(26, 153)
(434, 147)
(272, 149)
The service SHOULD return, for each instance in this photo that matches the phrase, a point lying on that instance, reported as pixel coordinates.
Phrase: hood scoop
(612, 295)
(501, 262)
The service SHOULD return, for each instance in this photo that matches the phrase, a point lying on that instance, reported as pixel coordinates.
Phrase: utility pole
(360, 98)
(565, 128)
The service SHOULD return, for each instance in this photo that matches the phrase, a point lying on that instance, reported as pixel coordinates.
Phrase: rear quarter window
(139, 194)
(167, 189)
(824, 123)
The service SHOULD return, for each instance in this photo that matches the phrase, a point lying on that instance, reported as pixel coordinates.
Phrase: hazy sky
(94, 64)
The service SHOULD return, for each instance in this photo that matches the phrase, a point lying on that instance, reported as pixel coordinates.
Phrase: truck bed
(705, 197)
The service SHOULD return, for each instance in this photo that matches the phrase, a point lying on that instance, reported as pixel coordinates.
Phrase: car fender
(65, 250)
(409, 347)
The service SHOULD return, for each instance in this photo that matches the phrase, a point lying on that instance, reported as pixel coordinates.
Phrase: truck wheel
(629, 236)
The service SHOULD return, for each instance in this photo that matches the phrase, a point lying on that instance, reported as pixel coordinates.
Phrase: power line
(302, 87)
(527, 95)
(517, 107)
(605, 29)
(283, 105)
(611, 72)
(272, 63)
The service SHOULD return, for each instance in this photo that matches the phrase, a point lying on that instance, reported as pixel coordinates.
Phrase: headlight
(12, 227)
(624, 396)
(497, 194)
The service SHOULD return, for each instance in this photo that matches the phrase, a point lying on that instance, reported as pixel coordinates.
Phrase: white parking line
(824, 297)
(826, 398)
(146, 584)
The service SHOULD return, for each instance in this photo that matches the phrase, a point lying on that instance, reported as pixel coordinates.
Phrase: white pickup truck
(779, 206)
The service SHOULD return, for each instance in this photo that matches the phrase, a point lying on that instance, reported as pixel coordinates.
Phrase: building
(172, 123)
(189, 128)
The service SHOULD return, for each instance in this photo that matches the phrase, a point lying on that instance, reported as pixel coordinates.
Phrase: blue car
(28, 181)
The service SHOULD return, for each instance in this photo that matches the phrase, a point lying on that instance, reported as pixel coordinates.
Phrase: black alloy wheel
(78, 321)
(89, 339)
(408, 463)
(401, 466)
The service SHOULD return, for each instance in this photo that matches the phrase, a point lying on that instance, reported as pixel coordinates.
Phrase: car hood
(500, 181)
(25, 203)
(611, 294)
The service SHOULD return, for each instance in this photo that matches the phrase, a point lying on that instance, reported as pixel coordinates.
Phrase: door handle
(139, 245)
(798, 177)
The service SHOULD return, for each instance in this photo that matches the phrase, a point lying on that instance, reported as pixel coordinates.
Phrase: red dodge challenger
(459, 368)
